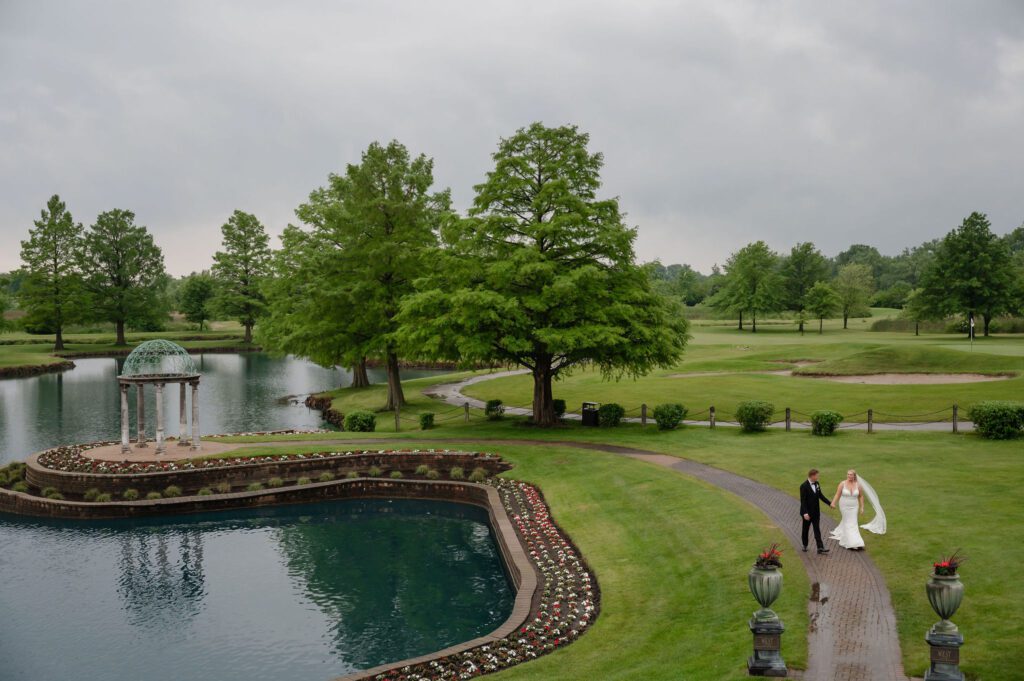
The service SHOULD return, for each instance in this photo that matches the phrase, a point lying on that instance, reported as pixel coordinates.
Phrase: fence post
(643, 414)
(789, 419)
(871, 421)
(397, 416)
(465, 406)
(711, 413)
(956, 415)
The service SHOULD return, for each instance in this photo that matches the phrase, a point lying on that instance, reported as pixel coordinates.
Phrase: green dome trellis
(159, 358)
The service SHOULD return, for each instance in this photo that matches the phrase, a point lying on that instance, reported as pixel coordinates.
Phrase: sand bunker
(910, 379)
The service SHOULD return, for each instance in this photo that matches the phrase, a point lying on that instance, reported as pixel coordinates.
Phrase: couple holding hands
(849, 497)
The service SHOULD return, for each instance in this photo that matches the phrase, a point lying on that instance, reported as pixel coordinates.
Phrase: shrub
(172, 491)
(610, 415)
(456, 473)
(375, 471)
(152, 496)
(20, 486)
(103, 497)
(360, 421)
(478, 475)
(326, 477)
(54, 494)
(433, 475)
(422, 469)
(669, 416)
(998, 420)
(254, 487)
(395, 475)
(275, 482)
(426, 421)
(130, 494)
(205, 492)
(494, 410)
(559, 406)
(754, 415)
(825, 422)
(303, 481)
(47, 491)
(91, 494)
(3, 478)
(352, 475)
(224, 488)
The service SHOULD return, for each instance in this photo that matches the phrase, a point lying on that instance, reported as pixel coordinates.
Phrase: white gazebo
(159, 362)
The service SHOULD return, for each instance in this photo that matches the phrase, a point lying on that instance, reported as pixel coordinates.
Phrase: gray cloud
(721, 123)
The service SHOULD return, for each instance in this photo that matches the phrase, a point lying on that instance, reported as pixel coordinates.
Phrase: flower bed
(568, 598)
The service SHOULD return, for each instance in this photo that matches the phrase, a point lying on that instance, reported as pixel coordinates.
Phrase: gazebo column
(182, 417)
(195, 416)
(140, 414)
(125, 429)
(159, 418)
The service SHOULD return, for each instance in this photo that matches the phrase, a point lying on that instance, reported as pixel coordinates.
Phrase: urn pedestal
(945, 593)
(766, 585)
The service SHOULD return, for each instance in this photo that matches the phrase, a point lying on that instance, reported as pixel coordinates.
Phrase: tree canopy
(753, 283)
(241, 269)
(802, 269)
(195, 297)
(854, 284)
(821, 301)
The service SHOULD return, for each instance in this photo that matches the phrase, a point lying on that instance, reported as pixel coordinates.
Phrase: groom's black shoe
(805, 549)
(820, 550)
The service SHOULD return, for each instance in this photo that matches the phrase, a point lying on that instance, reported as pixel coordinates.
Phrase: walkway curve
(852, 634)
(451, 393)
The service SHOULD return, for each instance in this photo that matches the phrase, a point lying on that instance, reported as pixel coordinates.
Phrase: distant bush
(130, 494)
(754, 415)
(103, 497)
(153, 496)
(669, 416)
(254, 487)
(205, 492)
(223, 487)
(998, 420)
(172, 491)
(375, 472)
(303, 481)
(422, 469)
(610, 415)
(55, 495)
(396, 475)
(825, 422)
(20, 486)
(559, 406)
(478, 475)
(433, 475)
(326, 477)
(91, 494)
(352, 475)
(360, 421)
(456, 473)
(426, 421)
(275, 482)
(494, 409)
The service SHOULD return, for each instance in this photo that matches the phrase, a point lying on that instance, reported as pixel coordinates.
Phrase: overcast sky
(721, 122)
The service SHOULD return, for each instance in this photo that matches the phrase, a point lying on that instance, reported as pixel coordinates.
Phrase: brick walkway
(852, 634)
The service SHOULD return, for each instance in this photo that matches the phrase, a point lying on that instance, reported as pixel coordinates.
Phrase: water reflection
(161, 576)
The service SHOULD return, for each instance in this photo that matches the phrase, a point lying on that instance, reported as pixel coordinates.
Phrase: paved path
(451, 393)
(852, 634)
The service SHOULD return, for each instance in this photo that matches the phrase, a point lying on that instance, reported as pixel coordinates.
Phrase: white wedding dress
(847, 532)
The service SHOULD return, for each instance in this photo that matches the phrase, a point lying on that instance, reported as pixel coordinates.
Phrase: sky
(720, 122)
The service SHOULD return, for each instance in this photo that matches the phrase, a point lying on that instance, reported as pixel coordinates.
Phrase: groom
(810, 495)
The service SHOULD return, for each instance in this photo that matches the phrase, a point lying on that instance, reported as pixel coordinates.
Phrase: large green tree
(51, 292)
(123, 272)
(542, 274)
(753, 283)
(972, 273)
(802, 269)
(241, 268)
(821, 301)
(854, 284)
(195, 297)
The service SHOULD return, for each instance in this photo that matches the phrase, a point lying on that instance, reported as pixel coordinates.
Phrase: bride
(850, 499)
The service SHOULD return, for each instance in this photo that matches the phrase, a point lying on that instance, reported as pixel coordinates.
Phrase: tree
(804, 267)
(51, 292)
(542, 274)
(195, 297)
(972, 273)
(753, 283)
(895, 296)
(918, 309)
(241, 268)
(821, 300)
(854, 285)
(861, 254)
(123, 271)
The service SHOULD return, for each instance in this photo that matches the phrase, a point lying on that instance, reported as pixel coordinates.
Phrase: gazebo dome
(159, 359)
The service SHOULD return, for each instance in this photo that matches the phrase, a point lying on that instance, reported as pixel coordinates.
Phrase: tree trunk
(248, 332)
(846, 317)
(753, 323)
(59, 342)
(120, 333)
(741, 321)
(987, 320)
(801, 322)
(543, 403)
(821, 325)
(395, 396)
(360, 379)
(917, 328)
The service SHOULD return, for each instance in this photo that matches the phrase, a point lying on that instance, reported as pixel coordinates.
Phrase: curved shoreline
(29, 370)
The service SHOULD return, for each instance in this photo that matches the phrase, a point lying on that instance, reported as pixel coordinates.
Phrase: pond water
(238, 392)
(304, 593)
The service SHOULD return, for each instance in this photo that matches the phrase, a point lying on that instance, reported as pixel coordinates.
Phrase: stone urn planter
(945, 593)
(766, 585)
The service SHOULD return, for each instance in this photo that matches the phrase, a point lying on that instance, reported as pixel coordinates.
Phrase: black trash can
(589, 413)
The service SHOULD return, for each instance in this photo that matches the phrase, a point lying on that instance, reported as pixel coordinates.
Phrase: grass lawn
(671, 556)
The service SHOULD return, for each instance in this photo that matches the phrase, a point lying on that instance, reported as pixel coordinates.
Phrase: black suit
(809, 498)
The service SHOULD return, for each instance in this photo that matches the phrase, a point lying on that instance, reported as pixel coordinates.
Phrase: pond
(239, 392)
(304, 593)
